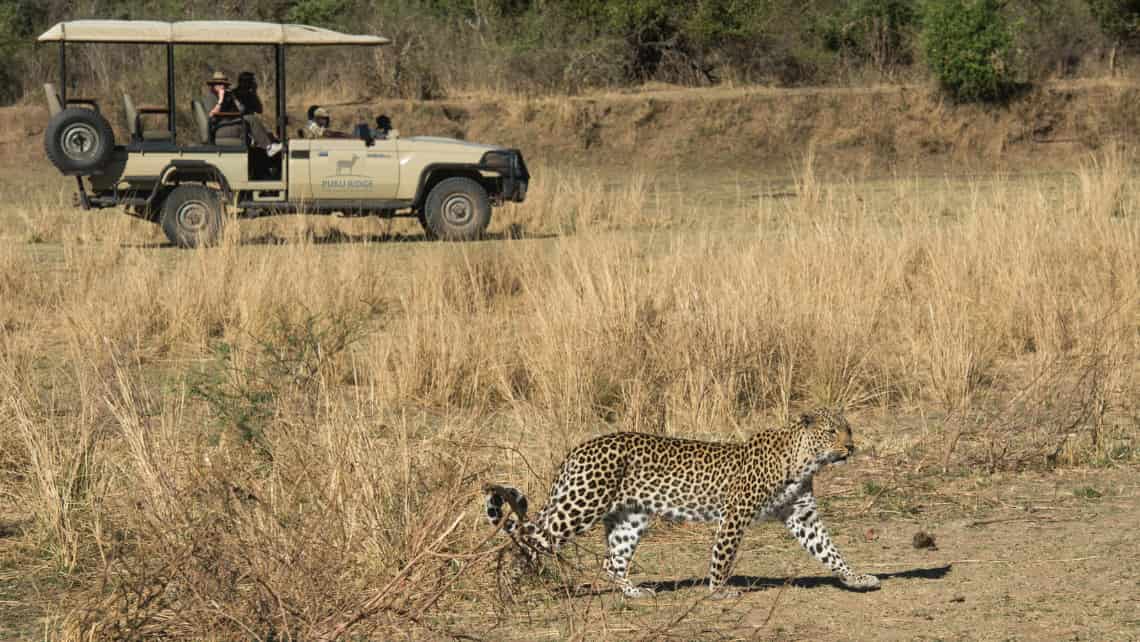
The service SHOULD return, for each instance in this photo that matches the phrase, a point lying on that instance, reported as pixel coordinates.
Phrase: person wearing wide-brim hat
(318, 125)
(219, 85)
(218, 78)
(228, 106)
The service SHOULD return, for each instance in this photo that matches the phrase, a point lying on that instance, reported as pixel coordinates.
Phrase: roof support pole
(63, 72)
(282, 117)
(170, 91)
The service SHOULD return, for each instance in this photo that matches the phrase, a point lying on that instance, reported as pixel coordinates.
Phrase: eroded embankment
(903, 126)
(892, 127)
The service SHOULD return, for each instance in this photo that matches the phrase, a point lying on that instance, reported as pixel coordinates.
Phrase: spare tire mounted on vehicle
(79, 141)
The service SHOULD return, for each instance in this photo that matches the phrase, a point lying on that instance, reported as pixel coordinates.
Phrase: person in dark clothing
(224, 103)
(383, 127)
(246, 94)
(230, 104)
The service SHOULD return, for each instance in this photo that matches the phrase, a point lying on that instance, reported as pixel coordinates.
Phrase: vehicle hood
(426, 143)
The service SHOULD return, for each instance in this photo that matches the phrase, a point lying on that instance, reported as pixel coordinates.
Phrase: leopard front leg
(623, 532)
(728, 535)
(802, 519)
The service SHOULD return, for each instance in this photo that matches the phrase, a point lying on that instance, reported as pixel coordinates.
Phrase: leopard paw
(725, 594)
(634, 592)
(864, 582)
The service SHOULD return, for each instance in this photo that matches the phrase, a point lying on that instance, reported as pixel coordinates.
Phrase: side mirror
(364, 132)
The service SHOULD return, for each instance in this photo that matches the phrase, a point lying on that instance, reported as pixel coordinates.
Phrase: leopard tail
(506, 507)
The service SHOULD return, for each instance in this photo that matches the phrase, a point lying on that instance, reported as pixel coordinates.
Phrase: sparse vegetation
(872, 488)
(1087, 492)
(1120, 21)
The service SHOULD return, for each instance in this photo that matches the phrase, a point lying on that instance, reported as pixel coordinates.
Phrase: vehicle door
(342, 169)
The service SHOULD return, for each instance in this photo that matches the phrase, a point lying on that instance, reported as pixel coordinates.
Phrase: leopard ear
(807, 419)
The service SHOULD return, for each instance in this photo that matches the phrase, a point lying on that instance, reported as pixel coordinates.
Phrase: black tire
(457, 209)
(79, 141)
(192, 216)
(428, 234)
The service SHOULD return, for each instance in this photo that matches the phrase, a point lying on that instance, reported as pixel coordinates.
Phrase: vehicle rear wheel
(79, 141)
(457, 209)
(192, 216)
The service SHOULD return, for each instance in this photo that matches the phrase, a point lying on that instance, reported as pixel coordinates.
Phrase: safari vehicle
(192, 187)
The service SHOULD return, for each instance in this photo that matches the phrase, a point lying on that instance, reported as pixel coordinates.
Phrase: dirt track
(1025, 557)
(1033, 561)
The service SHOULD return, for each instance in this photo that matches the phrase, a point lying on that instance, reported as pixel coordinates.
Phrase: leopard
(624, 478)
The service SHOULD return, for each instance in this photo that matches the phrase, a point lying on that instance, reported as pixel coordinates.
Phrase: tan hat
(320, 112)
(219, 78)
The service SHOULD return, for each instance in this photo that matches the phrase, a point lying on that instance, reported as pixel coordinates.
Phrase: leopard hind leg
(624, 529)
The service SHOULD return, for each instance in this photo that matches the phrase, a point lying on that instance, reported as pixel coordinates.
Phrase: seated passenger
(318, 125)
(246, 93)
(250, 104)
(383, 127)
(228, 106)
(224, 104)
(311, 128)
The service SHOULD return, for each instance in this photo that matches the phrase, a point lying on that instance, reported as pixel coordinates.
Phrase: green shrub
(19, 22)
(322, 13)
(968, 45)
(1054, 37)
(1118, 19)
(878, 32)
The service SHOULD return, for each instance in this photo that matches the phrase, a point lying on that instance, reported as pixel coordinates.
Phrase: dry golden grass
(287, 440)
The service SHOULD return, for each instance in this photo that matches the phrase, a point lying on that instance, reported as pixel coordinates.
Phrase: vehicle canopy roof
(199, 32)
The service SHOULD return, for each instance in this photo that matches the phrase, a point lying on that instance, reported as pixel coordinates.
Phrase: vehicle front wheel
(428, 234)
(457, 209)
(192, 216)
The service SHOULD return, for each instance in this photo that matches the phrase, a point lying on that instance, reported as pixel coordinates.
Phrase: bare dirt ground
(1025, 556)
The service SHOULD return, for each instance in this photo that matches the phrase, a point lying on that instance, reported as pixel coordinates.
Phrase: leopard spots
(621, 479)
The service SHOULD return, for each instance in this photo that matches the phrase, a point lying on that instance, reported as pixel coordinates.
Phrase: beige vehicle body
(322, 174)
(450, 185)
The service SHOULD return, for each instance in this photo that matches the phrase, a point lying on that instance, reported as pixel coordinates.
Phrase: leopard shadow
(750, 583)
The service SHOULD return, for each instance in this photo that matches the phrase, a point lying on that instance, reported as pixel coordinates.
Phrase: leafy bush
(322, 13)
(878, 32)
(1118, 19)
(1054, 38)
(968, 46)
(19, 21)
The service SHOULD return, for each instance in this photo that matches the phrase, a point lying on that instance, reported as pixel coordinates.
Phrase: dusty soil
(1021, 557)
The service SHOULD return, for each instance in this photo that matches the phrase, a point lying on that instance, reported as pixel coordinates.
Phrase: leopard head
(825, 437)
